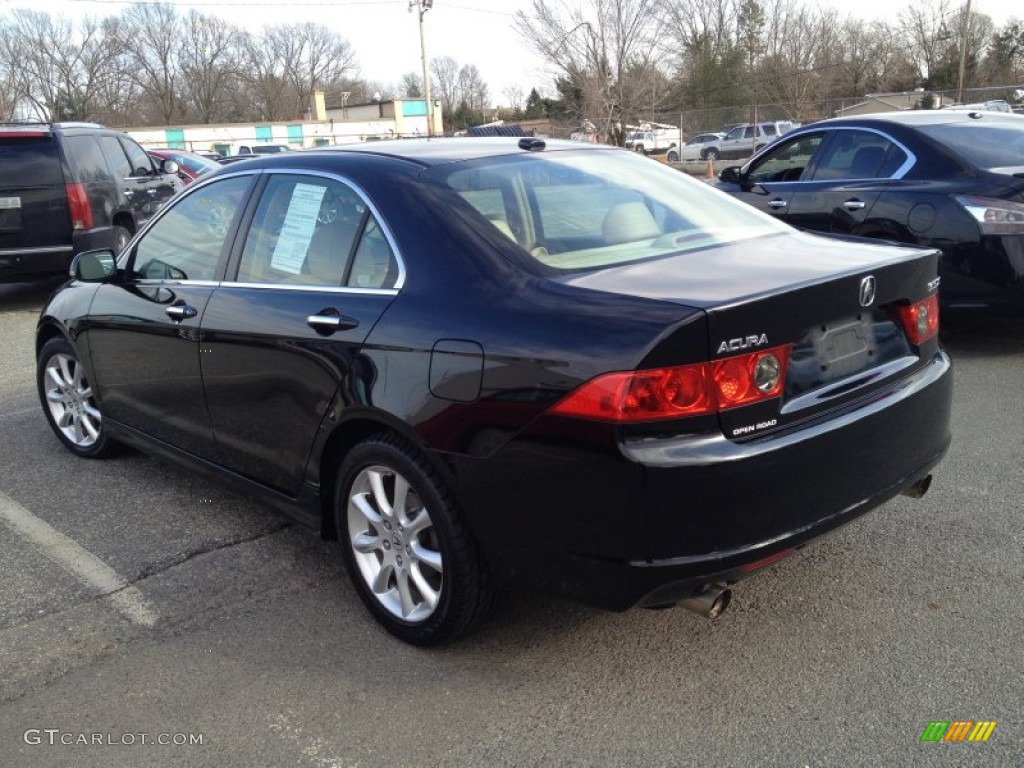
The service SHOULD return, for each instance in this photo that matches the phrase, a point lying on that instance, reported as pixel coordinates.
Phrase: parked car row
(945, 179)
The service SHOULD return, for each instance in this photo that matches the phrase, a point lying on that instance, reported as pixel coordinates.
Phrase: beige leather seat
(629, 222)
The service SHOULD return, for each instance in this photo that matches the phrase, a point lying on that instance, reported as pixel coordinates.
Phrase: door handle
(854, 205)
(179, 312)
(329, 323)
(777, 203)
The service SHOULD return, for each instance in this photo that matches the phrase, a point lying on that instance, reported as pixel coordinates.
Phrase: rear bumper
(669, 516)
(16, 263)
(39, 261)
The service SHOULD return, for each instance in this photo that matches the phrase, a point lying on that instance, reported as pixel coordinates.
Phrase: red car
(190, 164)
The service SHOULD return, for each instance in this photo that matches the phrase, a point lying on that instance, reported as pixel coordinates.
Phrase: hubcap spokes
(70, 400)
(394, 543)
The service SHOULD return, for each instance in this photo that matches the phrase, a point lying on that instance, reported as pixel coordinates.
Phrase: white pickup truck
(653, 140)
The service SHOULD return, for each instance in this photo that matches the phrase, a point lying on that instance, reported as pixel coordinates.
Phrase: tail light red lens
(684, 390)
(921, 320)
(79, 207)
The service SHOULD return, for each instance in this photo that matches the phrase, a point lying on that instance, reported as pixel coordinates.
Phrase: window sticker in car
(297, 229)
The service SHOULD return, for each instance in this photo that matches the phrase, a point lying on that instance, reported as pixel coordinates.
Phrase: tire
(417, 570)
(69, 403)
(672, 157)
(711, 154)
(121, 238)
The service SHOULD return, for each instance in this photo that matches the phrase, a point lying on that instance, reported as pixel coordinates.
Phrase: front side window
(140, 161)
(579, 210)
(191, 240)
(786, 162)
(117, 160)
(310, 230)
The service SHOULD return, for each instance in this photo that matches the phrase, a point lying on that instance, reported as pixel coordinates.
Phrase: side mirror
(730, 175)
(169, 166)
(94, 266)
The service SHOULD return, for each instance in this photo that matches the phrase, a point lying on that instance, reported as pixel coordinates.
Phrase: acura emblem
(867, 291)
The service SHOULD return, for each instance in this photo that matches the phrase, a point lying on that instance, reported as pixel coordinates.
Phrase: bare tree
(210, 54)
(311, 56)
(444, 83)
(605, 49)
(472, 88)
(267, 95)
(515, 96)
(926, 36)
(411, 85)
(59, 70)
(147, 36)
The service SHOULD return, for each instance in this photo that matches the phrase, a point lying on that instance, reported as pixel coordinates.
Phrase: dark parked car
(489, 363)
(938, 178)
(71, 187)
(191, 165)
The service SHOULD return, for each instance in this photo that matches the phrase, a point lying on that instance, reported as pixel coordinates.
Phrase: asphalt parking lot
(140, 606)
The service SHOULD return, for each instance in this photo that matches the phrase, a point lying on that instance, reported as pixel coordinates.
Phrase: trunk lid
(804, 292)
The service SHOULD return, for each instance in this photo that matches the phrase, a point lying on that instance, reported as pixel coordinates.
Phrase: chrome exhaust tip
(918, 489)
(710, 602)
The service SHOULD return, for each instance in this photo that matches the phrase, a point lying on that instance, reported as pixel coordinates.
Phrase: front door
(144, 330)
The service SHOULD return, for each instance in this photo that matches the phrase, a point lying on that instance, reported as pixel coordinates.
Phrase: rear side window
(315, 231)
(86, 159)
(29, 159)
(985, 144)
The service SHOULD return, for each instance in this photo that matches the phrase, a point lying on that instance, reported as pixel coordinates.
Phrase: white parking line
(80, 562)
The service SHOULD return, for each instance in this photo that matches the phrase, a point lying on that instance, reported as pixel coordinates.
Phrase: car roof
(446, 150)
(917, 117)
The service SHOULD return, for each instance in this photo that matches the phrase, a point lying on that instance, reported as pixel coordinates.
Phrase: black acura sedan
(500, 363)
(937, 178)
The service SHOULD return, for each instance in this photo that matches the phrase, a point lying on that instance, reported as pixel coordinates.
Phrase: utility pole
(965, 28)
(422, 6)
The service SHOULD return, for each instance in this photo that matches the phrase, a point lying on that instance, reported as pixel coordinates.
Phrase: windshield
(985, 144)
(581, 210)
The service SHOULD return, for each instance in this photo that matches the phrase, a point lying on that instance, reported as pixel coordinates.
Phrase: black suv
(71, 187)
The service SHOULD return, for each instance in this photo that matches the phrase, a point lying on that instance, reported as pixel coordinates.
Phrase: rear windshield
(581, 210)
(984, 144)
(195, 163)
(29, 160)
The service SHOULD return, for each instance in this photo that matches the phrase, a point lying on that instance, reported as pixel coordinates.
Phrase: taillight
(79, 207)
(683, 390)
(921, 320)
(994, 216)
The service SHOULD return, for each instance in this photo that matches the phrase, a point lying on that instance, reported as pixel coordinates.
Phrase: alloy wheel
(394, 544)
(70, 400)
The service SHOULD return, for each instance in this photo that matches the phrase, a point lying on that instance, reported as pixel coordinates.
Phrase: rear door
(34, 214)
(316, 272)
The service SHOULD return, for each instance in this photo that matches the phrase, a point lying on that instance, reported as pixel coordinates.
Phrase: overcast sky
(385, 35)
